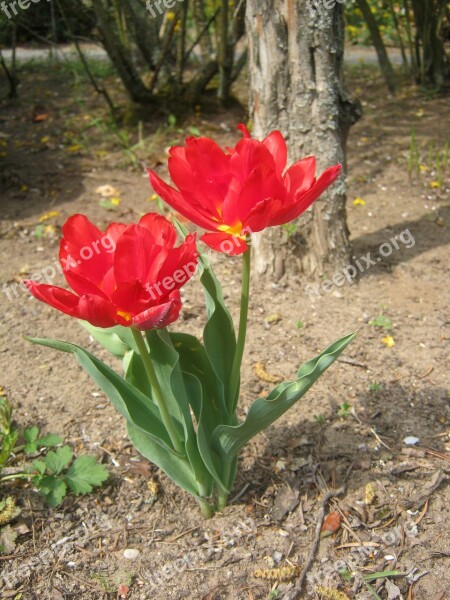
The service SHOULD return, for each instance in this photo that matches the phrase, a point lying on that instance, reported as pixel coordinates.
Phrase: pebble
(131, 553)
(411, 440)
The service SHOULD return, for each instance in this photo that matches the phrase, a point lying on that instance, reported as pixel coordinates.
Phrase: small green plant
(55, 472)
(299, 324)
(370, 577)
(290, 228)
(375, 387)
(273, 594)
(319, 419)
(344, 410)
(381, 321)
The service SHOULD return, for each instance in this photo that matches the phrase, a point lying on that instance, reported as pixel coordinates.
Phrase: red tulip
(242, 190)
(128, 275)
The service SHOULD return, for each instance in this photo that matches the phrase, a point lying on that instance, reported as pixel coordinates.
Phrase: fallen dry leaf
(279, 574)
(388, 341)
(107, 191)
(331, 524)
(264, 375)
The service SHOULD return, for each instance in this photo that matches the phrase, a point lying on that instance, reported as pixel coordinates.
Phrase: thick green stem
(242, 332)
(236, 369)
(207, 509)
(159, 396)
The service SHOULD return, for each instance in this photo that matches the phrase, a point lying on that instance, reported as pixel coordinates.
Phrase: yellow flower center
(234, 230)
(126, 315)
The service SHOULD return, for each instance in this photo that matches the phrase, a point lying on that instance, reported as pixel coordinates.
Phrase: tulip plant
(179, 394)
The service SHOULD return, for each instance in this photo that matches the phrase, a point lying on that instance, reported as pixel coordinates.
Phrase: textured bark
(296, 54)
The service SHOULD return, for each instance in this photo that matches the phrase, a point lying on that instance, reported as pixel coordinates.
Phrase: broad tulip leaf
(117, 340)
(166, 362)
(228, 440)
(176, 467)
(128, 400)
(201, 386)
(218, 336)
(135, 373)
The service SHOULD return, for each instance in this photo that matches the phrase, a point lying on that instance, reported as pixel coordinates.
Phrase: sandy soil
(348, 431)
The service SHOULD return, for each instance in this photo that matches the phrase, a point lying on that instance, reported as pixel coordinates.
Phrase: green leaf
(176, 467)
(49, 440)
(57, 461)
(380, 574)
(128, 400)
(264, 411)
(166, 361)
(52, 488)
(7, 445)
(30, 434)
(219, 337)
(85, 474)
(372, 591)
(202, 389)
(39, 466)
(117, 340)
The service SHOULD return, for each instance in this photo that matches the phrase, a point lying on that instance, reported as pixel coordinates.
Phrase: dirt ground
(349, 430)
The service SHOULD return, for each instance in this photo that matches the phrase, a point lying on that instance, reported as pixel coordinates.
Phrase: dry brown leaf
(328, 593)
(331, 524)
(279, 574)
(369, 494)
(264, 375)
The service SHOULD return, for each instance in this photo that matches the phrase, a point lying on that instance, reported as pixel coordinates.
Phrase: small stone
(131, 553)
(411, 440)
(277, 556)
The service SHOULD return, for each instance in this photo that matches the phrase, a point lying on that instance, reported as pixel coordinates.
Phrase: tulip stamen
(125, 315)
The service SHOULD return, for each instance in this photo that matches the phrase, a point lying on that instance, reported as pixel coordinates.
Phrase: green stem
(236, 368)
(242, 332)
(159, 396)
(15, 476)
(207, 509)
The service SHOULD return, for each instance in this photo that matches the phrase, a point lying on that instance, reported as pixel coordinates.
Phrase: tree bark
(295, 63)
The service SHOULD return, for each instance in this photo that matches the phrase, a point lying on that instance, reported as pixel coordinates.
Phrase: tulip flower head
(240, 190)
(132, 280)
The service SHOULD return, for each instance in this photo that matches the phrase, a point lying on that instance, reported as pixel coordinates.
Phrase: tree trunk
(428, 17)
(380, 48)
(295, 63)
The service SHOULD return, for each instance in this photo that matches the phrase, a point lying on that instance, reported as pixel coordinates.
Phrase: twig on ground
(315, 544)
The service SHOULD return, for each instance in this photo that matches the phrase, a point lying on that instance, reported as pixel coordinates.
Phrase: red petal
(226, 243)
(163, 232)
(174, 199)
(183, 258)
(276, 145)
(96, 310)
(304, 200)
(260, 185)
(136, 257)
(209, 178)
(244, 129)
(300, 176)
(160, 316)
(85, 251)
